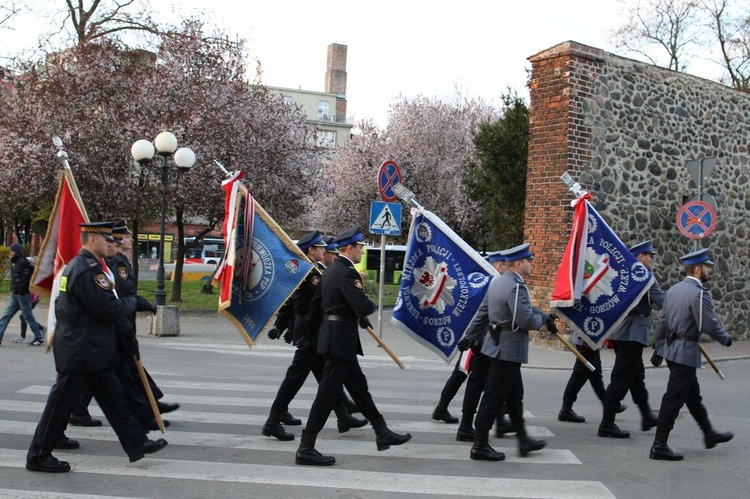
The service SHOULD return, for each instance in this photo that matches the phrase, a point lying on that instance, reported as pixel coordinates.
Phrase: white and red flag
(61, 243)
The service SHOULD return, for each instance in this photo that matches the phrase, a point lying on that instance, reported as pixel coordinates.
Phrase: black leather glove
(274, 333)
(464, 344)
(729, 343)
(153, 308)
(288, 336)
(656, 360)
(550, 324)
(364, 322)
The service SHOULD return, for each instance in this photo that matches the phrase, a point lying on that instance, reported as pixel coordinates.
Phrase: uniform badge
(315, 280)
(358, 284)
(102, 281)
(122, 271)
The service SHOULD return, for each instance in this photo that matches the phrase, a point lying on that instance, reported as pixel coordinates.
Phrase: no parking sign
(696, 219)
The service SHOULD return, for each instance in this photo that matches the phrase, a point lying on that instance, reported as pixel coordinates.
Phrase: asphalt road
(216, 448)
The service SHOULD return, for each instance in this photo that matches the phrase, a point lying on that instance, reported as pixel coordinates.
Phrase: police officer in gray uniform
(506, 343)
(688, 311)
(629, 339)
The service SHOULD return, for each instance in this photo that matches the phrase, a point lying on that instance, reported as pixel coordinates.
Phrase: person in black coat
(344, 305)
(85, 352)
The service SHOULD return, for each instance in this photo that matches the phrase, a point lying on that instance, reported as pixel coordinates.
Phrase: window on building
(323, 109)
(288, 100)
(326, 138)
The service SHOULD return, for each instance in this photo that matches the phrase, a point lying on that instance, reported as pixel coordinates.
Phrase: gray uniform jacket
(509, 305)
(637, 325)
(477, 328)
(688, 311)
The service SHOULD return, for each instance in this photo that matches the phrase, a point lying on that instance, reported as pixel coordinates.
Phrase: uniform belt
(339, 318)
(638, 315)
(683, 337)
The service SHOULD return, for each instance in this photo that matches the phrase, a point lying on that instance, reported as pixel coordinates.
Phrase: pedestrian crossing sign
(385, 218)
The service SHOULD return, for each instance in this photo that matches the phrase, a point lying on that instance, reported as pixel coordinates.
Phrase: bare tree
(732, 31)
(672, 26)
(8, 9)
(104, 18)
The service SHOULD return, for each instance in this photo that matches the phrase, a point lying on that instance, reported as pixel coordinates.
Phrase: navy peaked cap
(643, 247)
(349, 236)
(311, 239)
(696, 257)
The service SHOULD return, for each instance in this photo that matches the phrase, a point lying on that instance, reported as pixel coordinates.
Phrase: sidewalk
(209, 326)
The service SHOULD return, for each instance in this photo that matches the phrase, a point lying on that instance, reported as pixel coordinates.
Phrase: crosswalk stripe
(297, 404)
(330, 478)
(35, 494)
(359, 442)
(397, 425)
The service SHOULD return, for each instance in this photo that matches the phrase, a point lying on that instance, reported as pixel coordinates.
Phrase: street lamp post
(143, 153)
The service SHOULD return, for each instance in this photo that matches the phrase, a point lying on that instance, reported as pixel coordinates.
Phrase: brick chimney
(336, 78)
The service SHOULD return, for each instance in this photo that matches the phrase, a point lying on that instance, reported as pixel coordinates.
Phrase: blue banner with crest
(442, 286)
(601, 280)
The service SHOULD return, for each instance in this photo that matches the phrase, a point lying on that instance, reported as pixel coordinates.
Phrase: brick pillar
(562, 78)
(336, 78)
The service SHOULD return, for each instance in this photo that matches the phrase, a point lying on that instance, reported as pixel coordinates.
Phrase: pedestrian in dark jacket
(20, 296)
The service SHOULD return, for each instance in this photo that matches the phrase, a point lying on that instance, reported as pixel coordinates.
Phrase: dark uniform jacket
(86, 311)
(510, 308)
(343, 303)
(688, 311)
(20, 275)
(637, 325)
(125, 286)
(301, 302)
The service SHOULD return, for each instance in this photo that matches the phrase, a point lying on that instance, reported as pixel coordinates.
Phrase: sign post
(388, 220)
(700, 171)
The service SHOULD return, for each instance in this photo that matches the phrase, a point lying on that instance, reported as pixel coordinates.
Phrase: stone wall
(625, 129)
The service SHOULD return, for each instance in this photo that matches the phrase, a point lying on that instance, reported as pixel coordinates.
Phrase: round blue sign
(696, 219)
(388, 176)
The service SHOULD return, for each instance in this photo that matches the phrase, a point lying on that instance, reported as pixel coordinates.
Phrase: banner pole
(149, 394)
(385, 347)
(575, 352)
(711, 362)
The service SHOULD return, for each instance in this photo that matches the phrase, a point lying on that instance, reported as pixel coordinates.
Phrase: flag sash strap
(599, 281)
(442, 286)
(277, 269)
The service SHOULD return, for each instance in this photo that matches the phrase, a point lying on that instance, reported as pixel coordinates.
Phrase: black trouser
(682, 388)
(306, 360)
(504, 384)
(453, 384)
(581, 375)
(480, 366)
(628, 373)
(336, 374)
(65, 393)
(125, 370)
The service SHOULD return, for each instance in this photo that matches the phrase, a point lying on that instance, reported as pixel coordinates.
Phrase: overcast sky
(404, 47)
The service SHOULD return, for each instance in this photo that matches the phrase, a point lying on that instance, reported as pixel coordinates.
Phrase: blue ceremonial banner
(275, 269)
(599, 281)
(443, 284)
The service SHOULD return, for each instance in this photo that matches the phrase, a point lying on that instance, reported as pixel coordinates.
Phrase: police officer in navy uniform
(85, 351)
(629, 340)
(506, 343)
(344, 305)
(127, 341)
(688, 312)
(306, 358)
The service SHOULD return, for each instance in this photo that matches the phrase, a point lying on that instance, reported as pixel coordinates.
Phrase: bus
(369, 266)
(208, 250)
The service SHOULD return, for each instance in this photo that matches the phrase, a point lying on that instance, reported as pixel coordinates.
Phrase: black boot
(661, 451)
(568, 415)
(273, 427)
(385, 437)
(503, 426)
(306, 454)
(465, 431)
(608, 428)
(441, 413)
(648, 420)
(481, 450)
(527, 444)
(712, 438)
(290, 420)
(346, 421)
